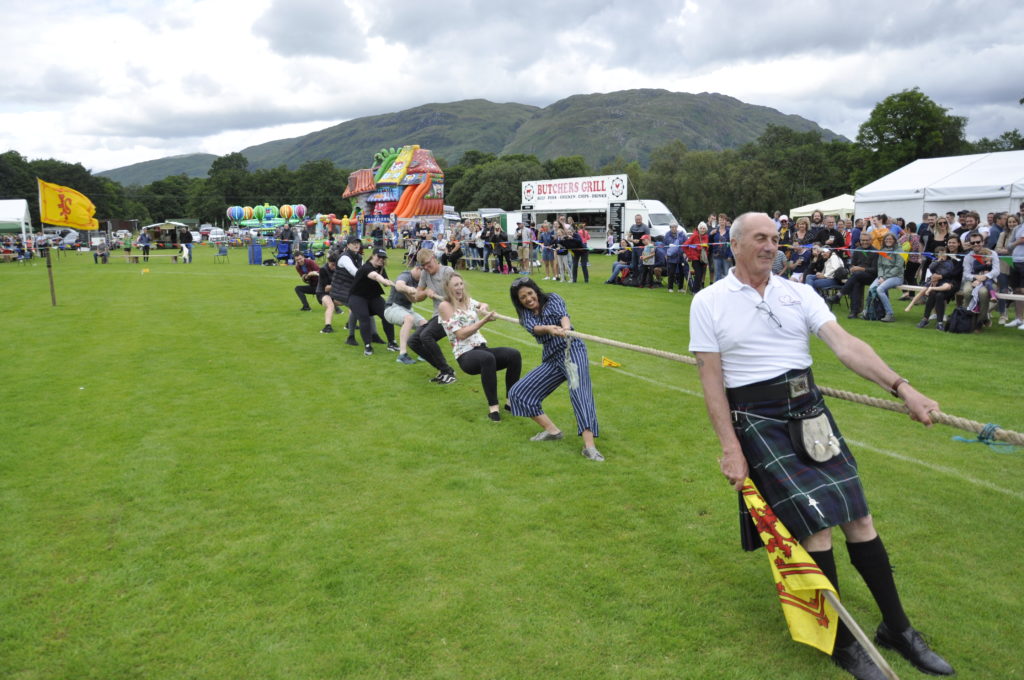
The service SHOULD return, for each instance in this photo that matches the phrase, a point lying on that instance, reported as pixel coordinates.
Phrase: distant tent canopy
(985, 182)
(841, 206)
(14, 216)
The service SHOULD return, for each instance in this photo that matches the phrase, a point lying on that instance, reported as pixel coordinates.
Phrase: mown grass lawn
(195, 483)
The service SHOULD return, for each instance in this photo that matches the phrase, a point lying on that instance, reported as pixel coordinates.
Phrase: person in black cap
(349, 261)
(366, 299)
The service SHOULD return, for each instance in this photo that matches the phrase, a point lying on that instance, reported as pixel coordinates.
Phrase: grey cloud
(200, 85)
(56, 84)
(164, 121)
(721, 33)
(311, 27)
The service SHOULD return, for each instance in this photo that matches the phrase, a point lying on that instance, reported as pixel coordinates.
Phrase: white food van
(599, 202)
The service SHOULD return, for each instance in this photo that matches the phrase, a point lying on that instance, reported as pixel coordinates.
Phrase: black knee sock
(827, 563)
(872, 561)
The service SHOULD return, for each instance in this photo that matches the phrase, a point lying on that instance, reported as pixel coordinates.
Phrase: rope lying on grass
(985, 431)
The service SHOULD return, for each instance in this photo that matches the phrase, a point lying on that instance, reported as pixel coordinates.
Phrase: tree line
(781, 169)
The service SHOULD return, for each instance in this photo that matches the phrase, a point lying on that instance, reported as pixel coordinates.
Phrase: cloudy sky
(112, 82)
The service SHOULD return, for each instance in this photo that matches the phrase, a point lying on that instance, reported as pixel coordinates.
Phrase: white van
(654, 213)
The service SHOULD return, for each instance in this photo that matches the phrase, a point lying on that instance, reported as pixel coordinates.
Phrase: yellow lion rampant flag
(608, 363)
(798, 579)
(64, 207)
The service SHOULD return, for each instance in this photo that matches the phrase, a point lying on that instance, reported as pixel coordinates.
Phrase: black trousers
(486, 362)
(677, 272)
(424, 343)
(854, 287)
(304, 290)
(697, 269)
(578, 257)
(936, 302)
(362, 309)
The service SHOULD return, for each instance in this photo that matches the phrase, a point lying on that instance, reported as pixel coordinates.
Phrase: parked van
(655, 214)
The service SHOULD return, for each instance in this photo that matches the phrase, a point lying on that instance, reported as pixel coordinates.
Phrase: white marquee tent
(837, 205)
(14, 216)
(985, 182)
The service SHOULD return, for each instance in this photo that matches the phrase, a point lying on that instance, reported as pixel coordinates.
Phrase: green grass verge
(197, 484)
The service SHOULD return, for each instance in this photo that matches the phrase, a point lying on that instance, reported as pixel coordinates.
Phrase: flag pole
(49, 262)
(860, 635)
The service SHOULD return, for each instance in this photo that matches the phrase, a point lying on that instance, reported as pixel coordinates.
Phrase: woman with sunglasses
(563, 359)
(939, 235)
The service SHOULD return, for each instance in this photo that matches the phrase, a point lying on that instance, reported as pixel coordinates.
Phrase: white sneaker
(933, 317)
(1014, 324)
(1021, 327)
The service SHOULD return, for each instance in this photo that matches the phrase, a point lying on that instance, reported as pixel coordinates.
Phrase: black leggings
(487, 361)
(362, 308)
(936, 301)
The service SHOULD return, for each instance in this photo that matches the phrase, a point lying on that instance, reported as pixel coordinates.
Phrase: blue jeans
(881, 289)
(616, 268)
(820, 284)
(721, 267)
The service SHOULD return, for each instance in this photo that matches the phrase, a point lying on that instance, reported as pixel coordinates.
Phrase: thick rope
(988, 430)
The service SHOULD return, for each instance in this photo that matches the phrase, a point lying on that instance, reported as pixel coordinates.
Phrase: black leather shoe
(914, 649)
(851, 315)
(854, 660)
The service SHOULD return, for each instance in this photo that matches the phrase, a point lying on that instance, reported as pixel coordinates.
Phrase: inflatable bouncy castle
(404, 185)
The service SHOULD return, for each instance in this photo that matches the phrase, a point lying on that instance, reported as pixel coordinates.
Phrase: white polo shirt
(731, 318)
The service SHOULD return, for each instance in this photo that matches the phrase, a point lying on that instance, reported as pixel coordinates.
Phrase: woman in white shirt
(462, 317)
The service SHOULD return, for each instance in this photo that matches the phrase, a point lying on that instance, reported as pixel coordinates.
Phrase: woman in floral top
(462, 317)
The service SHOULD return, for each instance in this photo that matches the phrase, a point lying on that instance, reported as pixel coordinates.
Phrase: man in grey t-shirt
(399, 311)
(433, 278)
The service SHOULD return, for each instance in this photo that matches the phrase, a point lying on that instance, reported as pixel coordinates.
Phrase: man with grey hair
(750, 334)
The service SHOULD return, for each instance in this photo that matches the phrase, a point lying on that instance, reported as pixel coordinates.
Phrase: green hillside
(147, 172)
(448, 130)
(599, 127)
(632, 123)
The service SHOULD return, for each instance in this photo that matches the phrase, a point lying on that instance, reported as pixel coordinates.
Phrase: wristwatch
(896, 385)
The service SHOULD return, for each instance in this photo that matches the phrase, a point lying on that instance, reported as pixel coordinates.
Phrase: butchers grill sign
(574, 193)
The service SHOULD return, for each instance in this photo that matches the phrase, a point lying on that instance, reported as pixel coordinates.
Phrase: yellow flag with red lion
(64, 207)
(798, 579)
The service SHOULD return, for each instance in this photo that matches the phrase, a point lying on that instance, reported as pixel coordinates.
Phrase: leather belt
(797, 384)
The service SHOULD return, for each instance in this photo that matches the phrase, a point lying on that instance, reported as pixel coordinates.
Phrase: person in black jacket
(863, 270)
(941, 283)
(349, 261)
(580, 253)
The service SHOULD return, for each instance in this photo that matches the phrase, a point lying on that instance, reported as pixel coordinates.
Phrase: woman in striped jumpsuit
(545, 316)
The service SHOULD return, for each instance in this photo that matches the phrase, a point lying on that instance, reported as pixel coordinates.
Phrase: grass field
(195, 483)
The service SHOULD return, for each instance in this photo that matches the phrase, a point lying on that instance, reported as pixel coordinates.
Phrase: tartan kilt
(789, 481)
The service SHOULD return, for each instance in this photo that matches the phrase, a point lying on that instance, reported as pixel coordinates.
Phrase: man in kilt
(751, 333)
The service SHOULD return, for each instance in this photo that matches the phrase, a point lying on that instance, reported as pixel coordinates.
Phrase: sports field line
(952, 472)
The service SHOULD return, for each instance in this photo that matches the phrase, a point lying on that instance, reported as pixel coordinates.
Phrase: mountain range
(600, 127)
